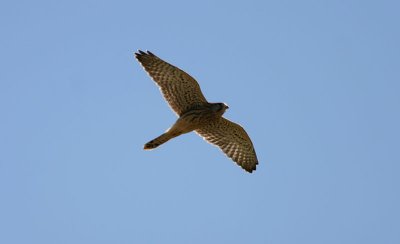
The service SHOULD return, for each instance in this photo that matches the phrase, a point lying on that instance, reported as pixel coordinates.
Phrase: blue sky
(315, 83)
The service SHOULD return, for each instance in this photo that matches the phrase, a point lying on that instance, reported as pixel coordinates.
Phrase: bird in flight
(184, 96)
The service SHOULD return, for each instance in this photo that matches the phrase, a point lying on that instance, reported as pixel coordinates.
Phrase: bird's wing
(179, 89)
(233, 140)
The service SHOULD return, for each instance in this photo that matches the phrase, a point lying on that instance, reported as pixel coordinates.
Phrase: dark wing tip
(250, 170)
(140, 53)
(249, 166)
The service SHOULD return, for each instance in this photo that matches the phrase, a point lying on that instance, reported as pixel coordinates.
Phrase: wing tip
(139, 53)
(251, 169)
(248, 166)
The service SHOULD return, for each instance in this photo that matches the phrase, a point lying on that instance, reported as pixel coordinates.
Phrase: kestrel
(184, 96)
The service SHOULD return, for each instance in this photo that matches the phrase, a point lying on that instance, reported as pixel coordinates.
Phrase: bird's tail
(158, 141)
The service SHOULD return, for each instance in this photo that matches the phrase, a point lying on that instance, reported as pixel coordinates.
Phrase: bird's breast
(195, 118)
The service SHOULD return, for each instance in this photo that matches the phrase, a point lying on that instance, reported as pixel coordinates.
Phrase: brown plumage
(184, 96)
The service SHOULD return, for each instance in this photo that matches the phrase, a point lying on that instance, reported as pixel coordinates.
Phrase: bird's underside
(185, 98)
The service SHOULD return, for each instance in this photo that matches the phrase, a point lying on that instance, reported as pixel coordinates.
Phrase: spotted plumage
(184, 96)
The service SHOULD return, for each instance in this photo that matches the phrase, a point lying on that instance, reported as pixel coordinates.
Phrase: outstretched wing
(233, 140)
(179, 89)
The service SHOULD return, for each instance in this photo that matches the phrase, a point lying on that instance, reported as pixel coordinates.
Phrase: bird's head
(219, 108)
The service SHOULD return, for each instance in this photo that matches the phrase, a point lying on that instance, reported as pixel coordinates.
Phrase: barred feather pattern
(179, 89)
(184, 96)
(199, 116)
(233, 140)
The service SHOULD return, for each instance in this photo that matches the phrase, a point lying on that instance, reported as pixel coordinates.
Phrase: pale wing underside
(179, 89)
(233, 140)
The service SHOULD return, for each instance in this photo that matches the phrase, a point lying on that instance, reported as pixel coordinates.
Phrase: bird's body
(195, 113)
(195, 118)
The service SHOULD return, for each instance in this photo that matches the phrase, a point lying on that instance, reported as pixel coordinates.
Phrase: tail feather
(157, 141)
